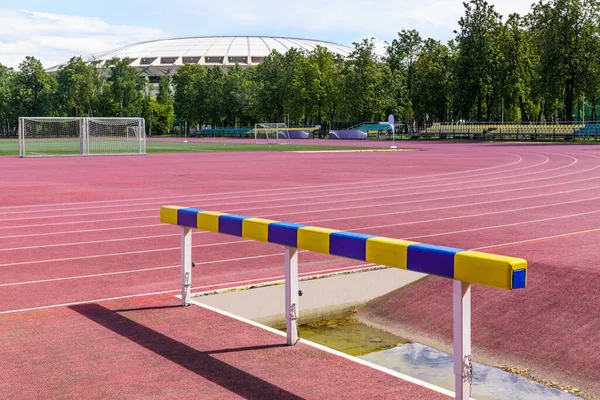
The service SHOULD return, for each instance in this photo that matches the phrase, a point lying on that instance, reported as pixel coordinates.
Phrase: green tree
(213, 97)
(478, 60)
(122, 96)
(236, 96)
(33, 89)
(159, 110)
(565, 32)
(275, 80)
(189, 99)
(363, 83)
(317, 80)
(8, 117)
(78, 88)
(431, 82)
(518, 77)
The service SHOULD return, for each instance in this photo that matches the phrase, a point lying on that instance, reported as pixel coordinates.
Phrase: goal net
(272, 133)
(116, 136)
(43, 137)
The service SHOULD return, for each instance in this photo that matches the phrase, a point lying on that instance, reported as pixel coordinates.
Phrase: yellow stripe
(389, 252)
(256, 229)
(486, 269)
(168, 214)
(314, 239)
(208, 221)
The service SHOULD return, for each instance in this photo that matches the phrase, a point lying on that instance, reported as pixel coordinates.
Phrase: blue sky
(55, 30)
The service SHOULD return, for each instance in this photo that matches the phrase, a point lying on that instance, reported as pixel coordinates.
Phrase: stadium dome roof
(160, 57)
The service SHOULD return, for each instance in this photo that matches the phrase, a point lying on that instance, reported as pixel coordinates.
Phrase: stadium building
(163, 57)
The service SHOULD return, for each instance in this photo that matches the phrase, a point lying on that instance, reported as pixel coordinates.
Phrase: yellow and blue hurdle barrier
(465, 267)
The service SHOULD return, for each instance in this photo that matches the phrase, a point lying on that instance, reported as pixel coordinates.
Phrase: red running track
(78, 230)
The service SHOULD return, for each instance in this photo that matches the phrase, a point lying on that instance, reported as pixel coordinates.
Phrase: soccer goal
(272, 133)
(44, 137)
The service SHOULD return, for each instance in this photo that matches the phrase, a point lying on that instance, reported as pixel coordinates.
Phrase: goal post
(44, 137)
(114, 136)
(271, 133)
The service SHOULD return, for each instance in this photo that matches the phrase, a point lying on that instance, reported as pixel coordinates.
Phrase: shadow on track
(199, 362)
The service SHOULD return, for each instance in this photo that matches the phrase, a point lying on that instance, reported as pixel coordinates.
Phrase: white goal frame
(273, 133)
(49, 136)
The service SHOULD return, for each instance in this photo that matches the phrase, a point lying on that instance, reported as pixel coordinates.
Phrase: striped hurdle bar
(465, 267)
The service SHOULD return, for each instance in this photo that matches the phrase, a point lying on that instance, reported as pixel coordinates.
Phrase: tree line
(543, 66)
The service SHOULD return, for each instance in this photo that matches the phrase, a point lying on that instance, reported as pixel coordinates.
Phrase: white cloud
(56, 38)
(370, 18)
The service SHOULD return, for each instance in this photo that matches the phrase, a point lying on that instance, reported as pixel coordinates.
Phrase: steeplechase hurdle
(465, 267)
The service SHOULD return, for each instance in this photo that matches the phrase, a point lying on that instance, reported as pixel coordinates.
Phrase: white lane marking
(275, 279)
(68, 278)
(287, 205)
(136, 252)
(519, 159)
(368, 227)
(155, 210)
(79, 222)
(424, 221)
(257, 280)
(117, 228)
(297, 191)
(539, 239)
(331, 219)
(90, 242)
(533, 221)
(356, 360)
(458, 205)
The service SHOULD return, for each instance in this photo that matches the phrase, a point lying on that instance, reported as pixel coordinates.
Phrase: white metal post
(291, 294)
(462, 339)
(186, 264)
(140, 135)
(82, 137)
(21, 138)
(85, 136)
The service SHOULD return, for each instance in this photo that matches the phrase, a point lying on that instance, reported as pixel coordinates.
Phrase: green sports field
(53, 147)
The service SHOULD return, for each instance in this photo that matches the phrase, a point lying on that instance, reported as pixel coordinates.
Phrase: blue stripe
(349, 244)
(519, 279)
(431, 259)
(188, 217)
(231, 224)
(284, 233)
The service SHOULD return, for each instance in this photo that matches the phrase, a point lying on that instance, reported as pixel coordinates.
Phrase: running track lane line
(346, 208)
(250, 281)
(534, 221)
(519, 159)
(376, 198)
(493, 247)
(178, 266)
(300, 191)
(239, 241)
(399, 195)
(244, 241)
(536, 240)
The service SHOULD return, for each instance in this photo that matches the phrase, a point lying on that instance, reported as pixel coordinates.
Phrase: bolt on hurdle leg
(186, 265)
(291, 294)
(463, 373)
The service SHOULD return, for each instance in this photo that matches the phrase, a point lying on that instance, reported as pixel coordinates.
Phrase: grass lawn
(10, 147)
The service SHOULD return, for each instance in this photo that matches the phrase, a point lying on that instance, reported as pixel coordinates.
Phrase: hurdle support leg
(291, 294)
(186, 265)
(463, 373)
